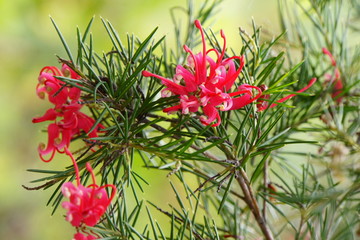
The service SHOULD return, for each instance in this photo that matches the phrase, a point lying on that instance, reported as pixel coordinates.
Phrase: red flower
(68, 121)
(86, 205)
(263, 104)
(203, 84)
(334, 78)
(80, 236)
(57, 93)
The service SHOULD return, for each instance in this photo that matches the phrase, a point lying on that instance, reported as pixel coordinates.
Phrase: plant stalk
(252, 204)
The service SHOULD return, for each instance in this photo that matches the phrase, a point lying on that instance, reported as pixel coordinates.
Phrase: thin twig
(207, 180)
(50, 183)
(266, 165)
(252, 203)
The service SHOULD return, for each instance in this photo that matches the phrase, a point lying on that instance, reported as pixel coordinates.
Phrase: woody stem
(252, 204)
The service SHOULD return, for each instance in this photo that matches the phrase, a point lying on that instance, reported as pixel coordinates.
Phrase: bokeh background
(28, 42)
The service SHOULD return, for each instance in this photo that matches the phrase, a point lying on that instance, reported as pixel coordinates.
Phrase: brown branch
(206, 181)
(252, 204)
(41, 186)
(266, 165)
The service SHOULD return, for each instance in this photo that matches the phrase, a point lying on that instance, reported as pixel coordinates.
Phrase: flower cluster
(86, 205)
(68, 121)
(204, 83)
(334, 78)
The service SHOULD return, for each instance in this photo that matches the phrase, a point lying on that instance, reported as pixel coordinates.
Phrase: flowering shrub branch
(226, 147)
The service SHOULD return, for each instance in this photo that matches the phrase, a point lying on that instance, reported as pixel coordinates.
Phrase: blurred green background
(28, 42)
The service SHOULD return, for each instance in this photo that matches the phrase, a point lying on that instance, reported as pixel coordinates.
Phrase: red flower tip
(197, 24)
(222, 34)
(147, 74)
(328, 53)
(187, 49)
(325, 51)
(311, 82)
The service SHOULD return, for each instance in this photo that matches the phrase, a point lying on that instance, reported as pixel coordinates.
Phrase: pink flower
(263, 104)
(203, 85)
(80, 236)
(334, 78)
(86, 205)
(68, 121)
(57, 93)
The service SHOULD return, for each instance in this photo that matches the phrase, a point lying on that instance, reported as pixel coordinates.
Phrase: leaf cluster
(252, 171)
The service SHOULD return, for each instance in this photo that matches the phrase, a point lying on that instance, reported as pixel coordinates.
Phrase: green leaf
(67, 49)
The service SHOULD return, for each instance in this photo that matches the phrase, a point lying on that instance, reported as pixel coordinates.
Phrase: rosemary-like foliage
(288, 172)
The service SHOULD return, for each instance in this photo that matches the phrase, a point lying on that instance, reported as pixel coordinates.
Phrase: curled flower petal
(211, 115)
(49, 115)
(53, 134)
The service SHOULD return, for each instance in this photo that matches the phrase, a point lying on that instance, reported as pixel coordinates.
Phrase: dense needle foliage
(278, 167)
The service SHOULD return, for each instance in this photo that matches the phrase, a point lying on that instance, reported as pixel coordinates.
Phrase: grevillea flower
(86, 205)
(203, 84)
(57, 92)
(80, 236)
(263, 103)
(67, 119)
(334, 78)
